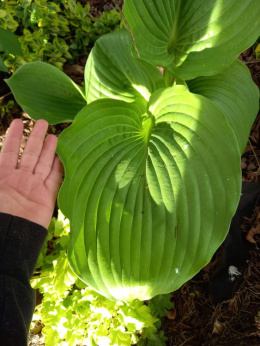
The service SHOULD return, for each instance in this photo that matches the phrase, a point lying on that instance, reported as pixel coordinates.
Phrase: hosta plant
(152, 157)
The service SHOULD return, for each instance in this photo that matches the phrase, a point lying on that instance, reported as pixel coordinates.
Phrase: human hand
(29, 189)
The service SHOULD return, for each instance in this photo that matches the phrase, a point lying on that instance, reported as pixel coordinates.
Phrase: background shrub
(53, 31)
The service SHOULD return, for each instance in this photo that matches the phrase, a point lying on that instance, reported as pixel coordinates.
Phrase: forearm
(20, 244)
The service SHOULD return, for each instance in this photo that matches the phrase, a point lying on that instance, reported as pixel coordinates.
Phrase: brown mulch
(196, 321)
(250, 162)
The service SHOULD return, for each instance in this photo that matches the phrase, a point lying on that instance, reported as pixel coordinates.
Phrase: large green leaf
(112, 71)
(193, 37)
(45, 92)
(235, 93)
(2, 66)
(9, 42)
(150, 191)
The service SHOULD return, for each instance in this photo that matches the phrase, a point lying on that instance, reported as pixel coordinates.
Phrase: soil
(195, 320)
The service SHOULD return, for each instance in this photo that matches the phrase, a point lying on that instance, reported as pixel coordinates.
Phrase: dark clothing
(20, 244)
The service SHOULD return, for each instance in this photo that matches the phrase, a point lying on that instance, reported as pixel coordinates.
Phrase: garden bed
(195, 320)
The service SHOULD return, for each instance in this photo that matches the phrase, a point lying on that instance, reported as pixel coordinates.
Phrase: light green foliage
(53, 31)
(74, 313)
(152, 162)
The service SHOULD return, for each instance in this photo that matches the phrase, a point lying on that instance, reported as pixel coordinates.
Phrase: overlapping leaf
(9, 42)
(235, 93)
(45, 92)
(111, 71)
(2, 66)
(192, 37)
(150, 191)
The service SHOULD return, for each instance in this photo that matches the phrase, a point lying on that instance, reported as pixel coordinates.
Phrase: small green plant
(53, 31)
(75, 314)
(257, 317)
(257, 48)
(152, 160)
(5, 108)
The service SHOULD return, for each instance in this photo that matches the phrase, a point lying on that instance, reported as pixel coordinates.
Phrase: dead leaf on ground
(218, 327)
(171, 314)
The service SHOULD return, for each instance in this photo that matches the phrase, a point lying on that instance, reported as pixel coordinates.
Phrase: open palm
(29, 188)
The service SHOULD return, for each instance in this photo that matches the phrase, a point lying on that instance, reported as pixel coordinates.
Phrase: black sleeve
(20, 245)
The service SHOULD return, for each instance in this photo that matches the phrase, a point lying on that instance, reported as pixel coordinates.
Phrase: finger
(45, 162)
(54, 180)
(11, 147)
(33, 146)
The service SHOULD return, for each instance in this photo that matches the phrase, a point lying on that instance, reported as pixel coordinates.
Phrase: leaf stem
(174, 31)
(127, 26)
(168, 78)
(179, 81)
